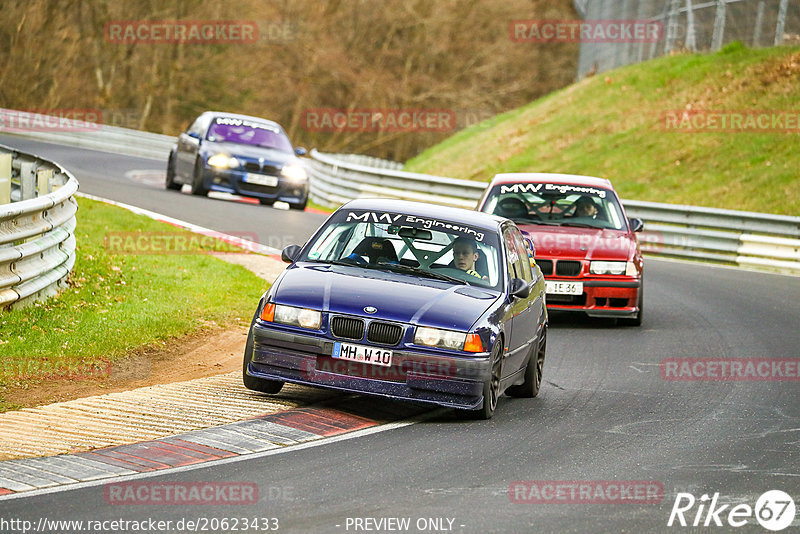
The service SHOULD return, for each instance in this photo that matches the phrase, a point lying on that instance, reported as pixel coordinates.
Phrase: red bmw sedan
(585, 244)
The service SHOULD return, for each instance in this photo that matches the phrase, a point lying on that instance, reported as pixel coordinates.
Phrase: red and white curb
(252, 438)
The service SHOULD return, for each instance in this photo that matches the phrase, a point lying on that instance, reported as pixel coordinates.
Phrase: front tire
(533, 372)
(170, 179)
(197, 179)
(262, 385)
(299, 205)
(491, 388)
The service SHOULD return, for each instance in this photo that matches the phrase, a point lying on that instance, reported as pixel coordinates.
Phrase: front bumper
(233, 181)
(601, 297)
(451, 381)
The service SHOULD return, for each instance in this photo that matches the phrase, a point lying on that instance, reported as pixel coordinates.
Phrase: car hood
(397, 297)
(580, 243)
(248, 151)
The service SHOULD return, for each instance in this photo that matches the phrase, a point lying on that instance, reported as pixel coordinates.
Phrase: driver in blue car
(465, 254)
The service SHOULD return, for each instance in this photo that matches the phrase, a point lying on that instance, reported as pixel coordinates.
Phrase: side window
(523, 254)
(512, 257)
(196, 127)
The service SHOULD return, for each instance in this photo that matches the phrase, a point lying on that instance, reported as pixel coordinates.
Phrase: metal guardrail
(689, 232)
(37, 227)
(726, 236)
(86, 135)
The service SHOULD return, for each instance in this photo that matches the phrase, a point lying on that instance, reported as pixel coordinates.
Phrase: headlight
(223, 161)
(295, 173)
(302, 317)
(447, 339)
(627, 268)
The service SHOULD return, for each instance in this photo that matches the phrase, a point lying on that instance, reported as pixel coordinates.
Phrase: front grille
(266, 168)
(571, 300)
(347, 328)
(384, 333)
(271, 169)
(256, 188)
(546, 266)
(568, 268)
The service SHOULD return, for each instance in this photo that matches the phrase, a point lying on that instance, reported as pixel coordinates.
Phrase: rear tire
(533, 372)
(266, 201)
(170, 179)
(197, 179)
(261, 385)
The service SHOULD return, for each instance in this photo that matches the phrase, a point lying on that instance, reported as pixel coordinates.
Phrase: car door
(188, 147)
(525, 312)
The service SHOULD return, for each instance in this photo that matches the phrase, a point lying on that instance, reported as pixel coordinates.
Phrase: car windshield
(244, 132)
(418, 246)
(557, 205)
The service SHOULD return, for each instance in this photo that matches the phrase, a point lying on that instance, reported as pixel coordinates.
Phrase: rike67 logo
(774, 510)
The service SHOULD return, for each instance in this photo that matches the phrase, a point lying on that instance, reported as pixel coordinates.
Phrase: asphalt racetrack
(605, 414)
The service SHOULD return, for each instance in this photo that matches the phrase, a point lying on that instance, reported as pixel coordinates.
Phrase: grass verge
(613, 125)
(119, 303)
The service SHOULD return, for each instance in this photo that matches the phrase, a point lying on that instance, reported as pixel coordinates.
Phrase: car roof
(242, 117)
(545, 177)
(419, 209)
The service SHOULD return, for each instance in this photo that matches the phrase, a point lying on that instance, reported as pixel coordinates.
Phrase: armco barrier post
(43, 182)
(27, 182)
(5, 179)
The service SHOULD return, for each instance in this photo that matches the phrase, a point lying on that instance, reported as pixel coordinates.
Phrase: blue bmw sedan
(409, 301)
(239, 154)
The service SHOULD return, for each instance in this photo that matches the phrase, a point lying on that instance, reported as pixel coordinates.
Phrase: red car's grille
(568, 268)
(546, 266)
(571, 300)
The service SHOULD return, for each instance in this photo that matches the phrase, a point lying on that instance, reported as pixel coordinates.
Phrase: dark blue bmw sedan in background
(405, 300)
(239, 154)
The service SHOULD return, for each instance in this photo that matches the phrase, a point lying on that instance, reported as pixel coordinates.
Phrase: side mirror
(193, 135)
(300, 151)
(520, 288)
(291, 253)
(636, 224)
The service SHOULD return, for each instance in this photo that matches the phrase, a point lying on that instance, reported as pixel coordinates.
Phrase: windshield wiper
(410, 269)
(337, 262)
(580, 225)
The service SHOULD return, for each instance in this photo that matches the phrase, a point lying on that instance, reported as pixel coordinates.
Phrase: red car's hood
(579, 243)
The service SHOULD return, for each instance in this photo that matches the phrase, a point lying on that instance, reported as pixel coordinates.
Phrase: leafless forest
(310, 54)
